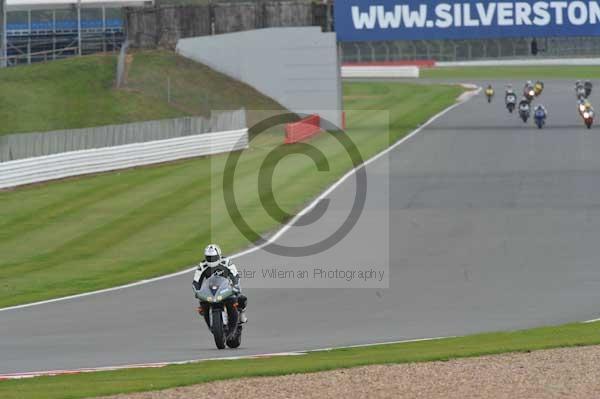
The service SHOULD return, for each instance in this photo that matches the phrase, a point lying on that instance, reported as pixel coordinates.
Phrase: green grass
(195, 88)
(89, 233)
(135, 380)
(70, 94)
(79, 92)
(509, 72)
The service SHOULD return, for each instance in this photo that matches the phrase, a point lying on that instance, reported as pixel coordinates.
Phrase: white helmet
(212, 255)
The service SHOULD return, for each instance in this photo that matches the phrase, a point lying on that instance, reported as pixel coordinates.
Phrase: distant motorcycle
(511, 101)
(588, 118)
(529, 93)
(540, 117)
(587, 85)
(580, 92)
(489, 92)
(219, 308)
(524, 111)
(538, 88)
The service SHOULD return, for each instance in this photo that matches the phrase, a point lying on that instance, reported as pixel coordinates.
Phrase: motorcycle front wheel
(218, 329)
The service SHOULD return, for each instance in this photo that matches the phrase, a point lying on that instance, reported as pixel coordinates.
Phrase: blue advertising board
(360, 20)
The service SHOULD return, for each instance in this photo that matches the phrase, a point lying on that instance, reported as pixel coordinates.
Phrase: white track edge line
(461, 100)
(33, 374)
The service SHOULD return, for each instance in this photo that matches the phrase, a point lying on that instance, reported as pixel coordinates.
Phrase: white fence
(379, 71)
(58, 166)
(523, 62)
(30, 145)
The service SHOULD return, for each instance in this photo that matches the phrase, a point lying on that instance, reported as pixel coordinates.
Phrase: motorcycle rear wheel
(236, 340)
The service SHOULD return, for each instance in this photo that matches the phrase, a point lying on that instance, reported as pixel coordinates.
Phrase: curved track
(493, 225)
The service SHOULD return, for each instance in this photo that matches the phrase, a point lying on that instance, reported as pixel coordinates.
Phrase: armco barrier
(303, 129)
(523, 62)
(380, 71)
(58, 166)
(30, 145)
(417, 63)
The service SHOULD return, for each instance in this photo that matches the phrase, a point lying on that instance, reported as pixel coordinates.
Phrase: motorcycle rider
(541, 110)
(587, 85)
(489, 92)
(524, 106)
(539, 87)
(212, 259)
(579, 89)
(584, 105)
(528, 90)
(508, 91)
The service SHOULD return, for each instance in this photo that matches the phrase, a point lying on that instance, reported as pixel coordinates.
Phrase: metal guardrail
(58, 166)
(465, 50)
(28, 145)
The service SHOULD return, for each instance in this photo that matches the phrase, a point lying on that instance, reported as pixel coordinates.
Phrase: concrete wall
(164, 25)
(297, 67)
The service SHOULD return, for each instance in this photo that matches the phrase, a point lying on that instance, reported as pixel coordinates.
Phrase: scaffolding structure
(41, 30)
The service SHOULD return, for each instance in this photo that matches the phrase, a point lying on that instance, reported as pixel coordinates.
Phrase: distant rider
(212, 260)
(587, 85)
(539, 87)
(580, 89)
(541, 110)
(584, 105)
(489, 92)
(509, 92)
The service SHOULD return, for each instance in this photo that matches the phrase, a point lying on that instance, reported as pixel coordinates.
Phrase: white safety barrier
(379, 71)
(58, 166)
(522, 62)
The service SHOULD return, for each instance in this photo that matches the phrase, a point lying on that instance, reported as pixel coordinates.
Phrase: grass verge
(136, 380)
(90, 233)
(79, 92)
(513, 72)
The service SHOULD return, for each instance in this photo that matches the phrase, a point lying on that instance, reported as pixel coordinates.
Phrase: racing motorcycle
(529, 93)
(587, 86)
(580, 92)
(540, 117)
(511, 101)
(489, 92)
(219, 306)
(538, 88)
(524, 112)
(588, 118)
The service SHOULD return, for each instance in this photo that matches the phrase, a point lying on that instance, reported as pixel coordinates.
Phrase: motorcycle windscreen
(213, 285)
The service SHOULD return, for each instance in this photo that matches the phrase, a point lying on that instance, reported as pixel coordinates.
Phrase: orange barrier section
(418, 63)
(303, 129)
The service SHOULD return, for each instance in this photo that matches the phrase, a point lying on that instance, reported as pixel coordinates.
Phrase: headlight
(531, 93)
(581, 108)
(209, 298)
(586, 115)
(219, 297)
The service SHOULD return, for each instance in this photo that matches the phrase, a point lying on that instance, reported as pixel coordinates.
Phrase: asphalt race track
(493, 225)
